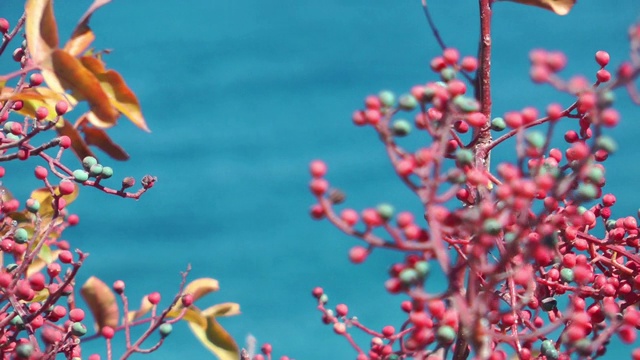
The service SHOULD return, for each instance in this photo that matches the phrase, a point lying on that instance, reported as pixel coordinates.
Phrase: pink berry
(610, 117)
(65, 142)
(66, 187)
(35, 79)
(66, 257)
(73, 220)
(451, 56)
(349, 216)
(76, 315)
(118, 286)
(602, 58)
(358, 118)
(41, 172)
(469, 64)
(603, 75)
(187, 300)
(342, 310)
(318, 168)
(42, 113)
(319, 186)
(107, 332)
(358, 254)
(62, 107)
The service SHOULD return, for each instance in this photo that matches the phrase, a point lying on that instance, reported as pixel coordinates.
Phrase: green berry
(95, 170)
(552, 354)
(12, 137)
(536, 139)
(466, 104)
(611, 224)
(401, 127)
(17, 321)
(498, 124)
(492, 226)
(595, 174)
(407, 102)
(21, 236)
(107, 172)
(464, 156)
(78, 329)
(582, 347)
(546, 346)
(33, 205)
(7, 127)
(165, 329)
(566, 275)
(422, 267)
(12, 267)
(408, 276)
(448, 74)
(88, 162)
(607, 144)
(606, 99)
(385, 211)
(445, 334)
(586, 192)
(456, 176)
(80, 175)
(429, 93)
(324, 298)
(24, 351)
(387, 98)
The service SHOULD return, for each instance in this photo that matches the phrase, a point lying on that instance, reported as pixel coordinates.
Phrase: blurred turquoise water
(241, 95)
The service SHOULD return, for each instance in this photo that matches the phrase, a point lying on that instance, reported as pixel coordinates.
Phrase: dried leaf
(82, 35)
(41, 29)
(120, 95)
(101, 301)
(98, 137)
(215, 338)
(67, 72)
(560, 7)
(77, 144)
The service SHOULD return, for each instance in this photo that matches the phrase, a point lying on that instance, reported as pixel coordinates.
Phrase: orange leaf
(120, 96)
(41, 29)
(560, 7)
(101, 301)
(99, 138)
(82, 35)
(67, 72)
(77, 144)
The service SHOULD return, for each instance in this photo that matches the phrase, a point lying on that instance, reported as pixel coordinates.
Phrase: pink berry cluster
(536, 263)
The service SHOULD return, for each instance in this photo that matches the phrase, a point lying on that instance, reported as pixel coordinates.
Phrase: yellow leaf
(560, 7)
(224, 309)
(191, 316)
(45, 257)
(201, 287)
(34, 98)
(41, 29)
(66, 72)
(120, 95)
(101, 301)
(82, 35)
(215, 338)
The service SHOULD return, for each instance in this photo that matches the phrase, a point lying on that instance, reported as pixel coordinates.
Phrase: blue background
(241, 95)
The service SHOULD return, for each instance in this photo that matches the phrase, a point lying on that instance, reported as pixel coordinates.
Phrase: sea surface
(241, 95)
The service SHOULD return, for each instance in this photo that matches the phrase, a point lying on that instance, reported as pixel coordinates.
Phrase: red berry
(17, 105)
(610, 117)
(513, 119)
(317, 292)
(318, 168)
(66, 257)
(266, 349)
(37, 281)
(603, 75)
(59, 311)
(469, 64)
(4, 25)
(438, 63)
(66, 187)
(556, 61)
(41, 172)
(62, 107)
(342, 310)
(451, 56)
(358, 118)
(154, 298)
(372, 102)
(371, 217)
(35, 79)
(349, 216)
(73, 220)
(602, 58)
(319, 186)
(187, 300)
(317, 212)
(41, 113)
(554, 111)
(107, 332)
(540, 74)
(476, 119)
(65, 142)
(118, 286)
(358, 254)
(76, 315)
(372, 116)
